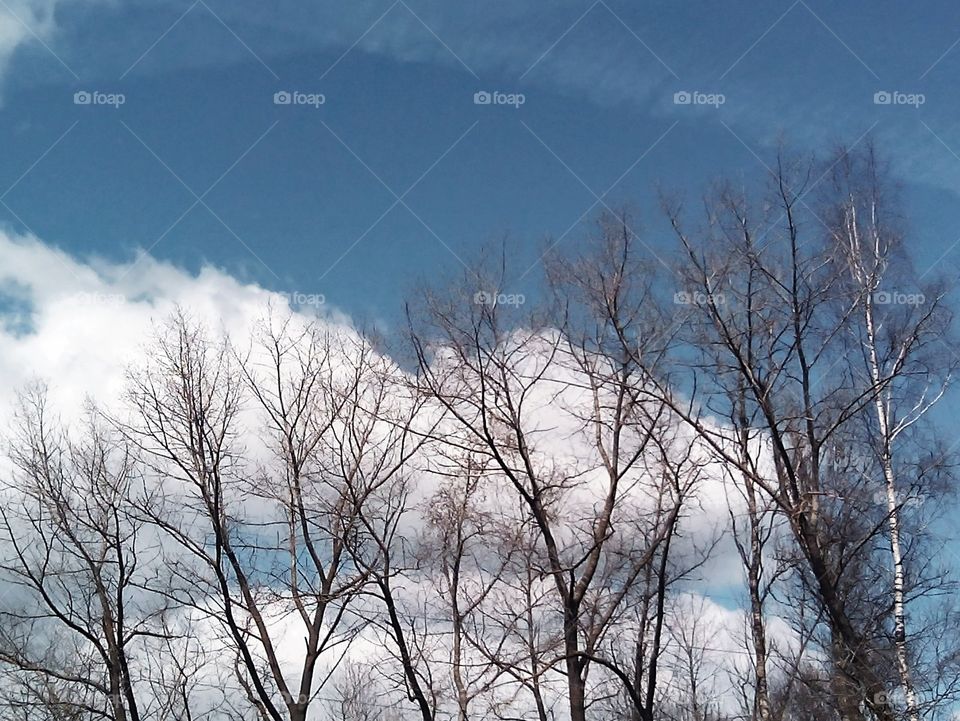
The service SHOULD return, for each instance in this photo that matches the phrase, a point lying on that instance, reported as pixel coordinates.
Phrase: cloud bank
(77, 324)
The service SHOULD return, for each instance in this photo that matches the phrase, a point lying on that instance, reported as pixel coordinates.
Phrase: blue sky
(398, 175)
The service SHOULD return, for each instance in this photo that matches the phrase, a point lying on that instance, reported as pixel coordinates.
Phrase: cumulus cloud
(78, 323)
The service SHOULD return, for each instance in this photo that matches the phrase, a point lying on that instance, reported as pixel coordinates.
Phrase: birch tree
(783, 313)
(897, 336)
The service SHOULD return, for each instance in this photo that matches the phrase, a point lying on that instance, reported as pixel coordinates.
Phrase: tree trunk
(574, 664)
(893, 521)
(761, 705)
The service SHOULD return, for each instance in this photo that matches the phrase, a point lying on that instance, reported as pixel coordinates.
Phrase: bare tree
(514, 631)
(751, 532)
(595, 525)
(897, 338)
(697, 682)
(764, 308)
(464, 550)
(773, 312)
(376, 455)
(256, 543)
(294, 525)
(78, 620)
(359, 696)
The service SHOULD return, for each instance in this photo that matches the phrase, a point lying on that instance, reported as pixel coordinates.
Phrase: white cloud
(79, 323)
